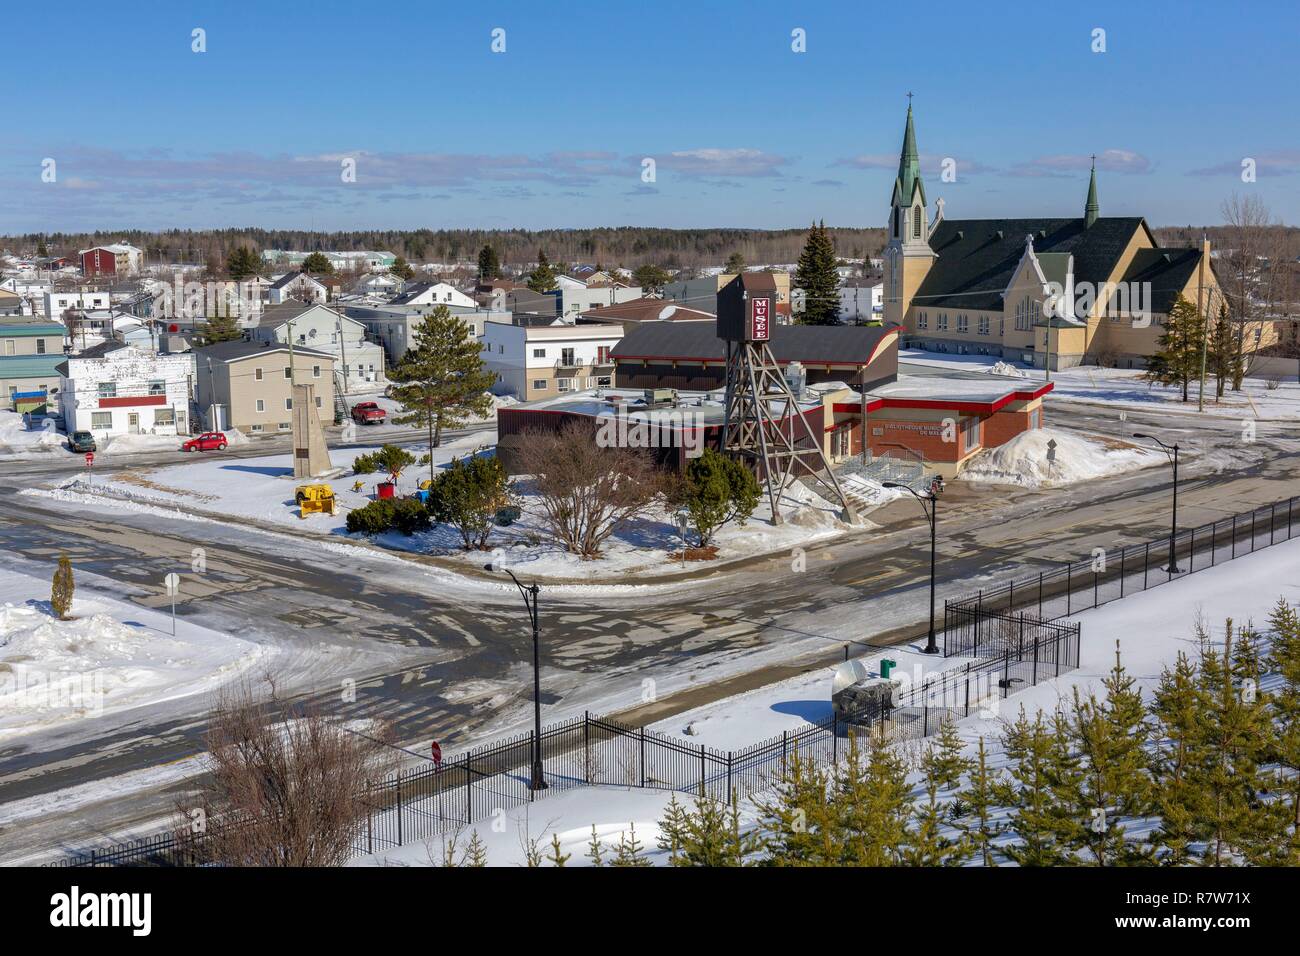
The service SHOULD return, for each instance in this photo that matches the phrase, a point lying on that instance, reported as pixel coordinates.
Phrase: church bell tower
(908, 255)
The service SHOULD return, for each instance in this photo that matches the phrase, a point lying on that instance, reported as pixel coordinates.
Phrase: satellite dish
(848, 674)
(667, 311)
(311, 334)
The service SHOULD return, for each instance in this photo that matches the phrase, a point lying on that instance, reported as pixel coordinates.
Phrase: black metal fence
(1110, 574)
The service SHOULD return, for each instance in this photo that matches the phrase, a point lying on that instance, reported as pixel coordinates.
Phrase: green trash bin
(886, 667)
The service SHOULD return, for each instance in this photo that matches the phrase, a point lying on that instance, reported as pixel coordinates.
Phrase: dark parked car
(81, 442)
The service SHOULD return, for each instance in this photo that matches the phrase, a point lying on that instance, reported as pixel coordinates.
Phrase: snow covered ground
(1032, 461)
(110, 657)
(262, 490)
(17, 439)
(1126, 388)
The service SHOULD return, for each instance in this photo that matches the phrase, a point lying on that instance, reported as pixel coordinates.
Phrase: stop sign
(436, 750)
(90, 458)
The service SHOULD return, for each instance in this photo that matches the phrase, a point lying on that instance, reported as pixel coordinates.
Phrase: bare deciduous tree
(586, 492)
(1255, 276)
(287, 785)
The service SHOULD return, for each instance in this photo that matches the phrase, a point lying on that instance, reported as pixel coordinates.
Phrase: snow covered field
(17, 439)
(1025, 461)
(110, 657)
(262, 490)
(1126, 388)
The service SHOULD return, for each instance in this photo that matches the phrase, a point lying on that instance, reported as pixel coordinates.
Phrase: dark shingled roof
(811, 344)
(976, 257)
(1168, 271)
(234, 351)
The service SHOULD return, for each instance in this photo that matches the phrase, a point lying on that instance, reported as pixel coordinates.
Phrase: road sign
(173, 584)
(436, 750)
(90, 458)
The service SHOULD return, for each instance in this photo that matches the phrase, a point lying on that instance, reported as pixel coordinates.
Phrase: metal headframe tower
(764, 426)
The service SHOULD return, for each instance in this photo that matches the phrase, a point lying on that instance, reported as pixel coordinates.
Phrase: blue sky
(553, 131)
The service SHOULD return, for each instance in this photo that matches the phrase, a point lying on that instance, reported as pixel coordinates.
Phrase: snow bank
(1005, 368)
(1024, 460)
(15, 437)
(139, 444)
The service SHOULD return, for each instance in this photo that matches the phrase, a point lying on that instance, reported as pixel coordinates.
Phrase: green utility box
(886, 667)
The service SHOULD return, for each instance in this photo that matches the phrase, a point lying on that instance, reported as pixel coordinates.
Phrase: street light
(1172, 453)
(936, 486)
(530, 601)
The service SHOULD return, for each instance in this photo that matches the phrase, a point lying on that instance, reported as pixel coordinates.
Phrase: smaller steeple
(1091, 210)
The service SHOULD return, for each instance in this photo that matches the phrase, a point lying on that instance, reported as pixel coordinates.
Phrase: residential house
(569, 299)
(635, 312)
(58, 303)
(31, 349)
(433, 293)
(249, 385)
(538, 360)
(393, 326)
(861, 300)
(119, 389)
(117, 259)
(359, 363)
(379, 283)
(702, 293)
(299, 286)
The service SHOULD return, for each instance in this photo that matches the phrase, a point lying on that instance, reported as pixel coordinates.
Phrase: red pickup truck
(368, 413)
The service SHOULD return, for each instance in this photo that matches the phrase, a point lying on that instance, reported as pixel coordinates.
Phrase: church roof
(1168, 271)
(908, 181)
(975, 258)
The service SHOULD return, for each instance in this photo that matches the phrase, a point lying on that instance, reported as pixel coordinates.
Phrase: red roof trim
(974, 408)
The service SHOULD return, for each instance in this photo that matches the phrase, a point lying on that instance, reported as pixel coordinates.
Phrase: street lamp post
(931, 514)
(1172, 453)
(530, 595)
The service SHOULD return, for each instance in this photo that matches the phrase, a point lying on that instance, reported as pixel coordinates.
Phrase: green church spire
(1092, 209)
(909, 165)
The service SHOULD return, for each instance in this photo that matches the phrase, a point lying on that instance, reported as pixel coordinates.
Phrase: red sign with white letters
(90, 458)
(759, 318)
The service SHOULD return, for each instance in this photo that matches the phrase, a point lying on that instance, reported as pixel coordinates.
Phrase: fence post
(1214, 542)
(1146, 561)
(1011, 595)
(399, 808)
(835, 737)
(1069, 587)
(643, 755)
(586, 746)
(967, 690)
(1040, 593)
(1272, 514)
(1095, 591)
(1022, 619)
(1121, 570)
(785, 742)
(1191, 554)
(1058, 653)
(702, 768)
(729, 753)
(1252, 532)
(469, 792)
(1234, 536)
(370, 824)
(979, 613)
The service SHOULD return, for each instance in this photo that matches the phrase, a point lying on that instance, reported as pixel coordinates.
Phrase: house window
(108, 390)
(101, 420)
(40, 346)
(261, 404)
(318, 401)
(164, 416)
(564, 384)
(539, 353)
(566, 357)
(604, 381)
(157, 388)
(315, 371)
(257, 374)
(255, 428)
(602, 355)
(1002, 327)
(285, 426)
(288, 404)
(539, 385)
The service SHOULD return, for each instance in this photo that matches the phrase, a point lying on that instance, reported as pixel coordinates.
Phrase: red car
(208, 441)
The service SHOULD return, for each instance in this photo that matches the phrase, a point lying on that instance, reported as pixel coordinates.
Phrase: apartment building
(30, 352)
(119, 389)
(540, 360)
(359, 363)
(249, 385)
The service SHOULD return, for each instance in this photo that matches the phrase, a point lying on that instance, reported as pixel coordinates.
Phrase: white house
(570, 298)
(325, 330)
(57, 303)
(434, 293)
(861, 300)
(296, 285)
(542, 360)
(379, 283)
(119, 389)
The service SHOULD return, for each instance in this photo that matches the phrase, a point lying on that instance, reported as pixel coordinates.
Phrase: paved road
(452, 663)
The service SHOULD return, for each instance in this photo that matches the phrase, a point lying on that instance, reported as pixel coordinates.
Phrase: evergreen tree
(489, 266)
(441, 382)
(402, 269)
(220, 328)
(629, 852)
(475, 852)
(981, 798)
(1030, 792)
(317, 264)
(710, 835)
(467, 495)
(735, 264)
(651, 278)
(716, 489)
(1223, 359)
(1177, 360)
(242, 263)
(1113, 782)
(817, 277)
(927, 844)
(794, 816)
(945, 755)
(41, 248)
(62, 589)
(595, 852)
(542, 278)
(1177, 707)
(870, 805)
(1284, 661)
(557, 855)
(672, 831)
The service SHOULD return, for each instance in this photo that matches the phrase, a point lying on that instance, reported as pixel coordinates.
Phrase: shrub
(374, 518)
(390, 459)
(714, 490)
(61, 592)
(409, 516)
(467, 495)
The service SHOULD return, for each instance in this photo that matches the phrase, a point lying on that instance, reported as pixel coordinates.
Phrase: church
(1053, 293)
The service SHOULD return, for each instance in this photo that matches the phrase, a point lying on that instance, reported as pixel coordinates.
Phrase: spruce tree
(629, 851)
(1284, 661)
(402, 269)
(441, 382)
(62, 589)
(489, 266)
(672, 831)
(794, 816)
(1029, 791)
(242, 262)
(817, 277)
(1223, 359)
(945, 754)
(735, 264)
(1113, 784)
(557, 856)
(927, 843)
(871, 805)
(1178, 704)
(595, 851)
(475, 852)
(1177, 360)
(220, 328)
(981, 797)
(542, 278)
